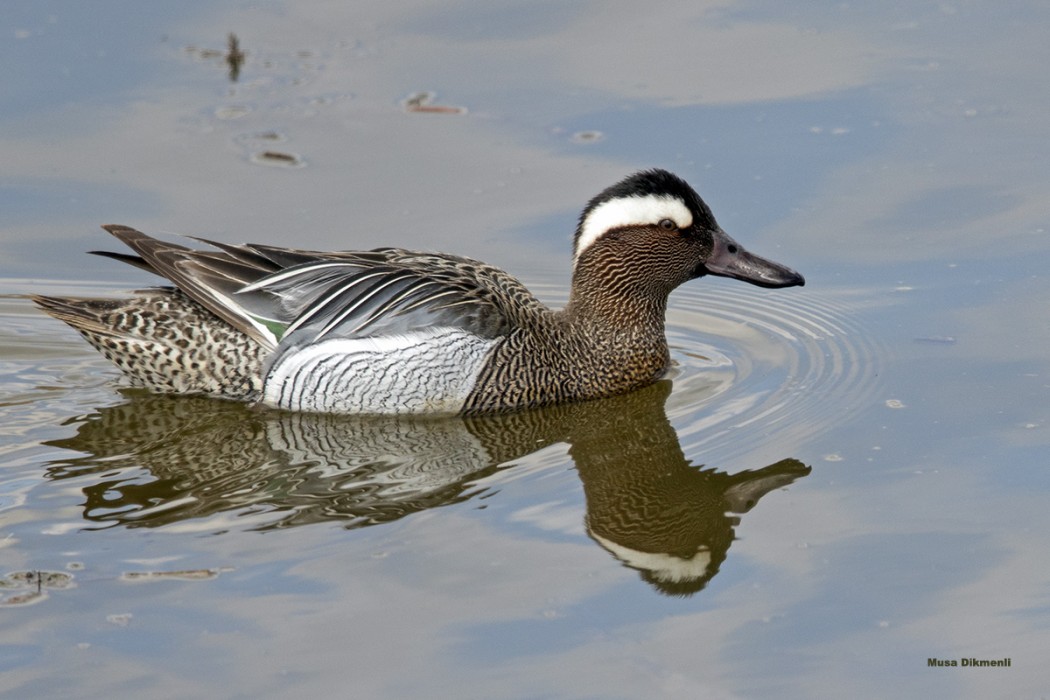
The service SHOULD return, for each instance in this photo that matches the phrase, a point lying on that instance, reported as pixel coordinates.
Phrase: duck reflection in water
(646, 504)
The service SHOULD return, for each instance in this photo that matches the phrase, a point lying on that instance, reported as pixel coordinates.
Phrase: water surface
(835, 484)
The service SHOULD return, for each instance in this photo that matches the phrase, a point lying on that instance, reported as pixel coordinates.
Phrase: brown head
(647, 234)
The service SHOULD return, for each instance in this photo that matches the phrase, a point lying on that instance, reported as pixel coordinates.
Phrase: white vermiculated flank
(628, 211)
(426, 371)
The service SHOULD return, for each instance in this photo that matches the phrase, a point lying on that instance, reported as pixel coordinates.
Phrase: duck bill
(729, 259)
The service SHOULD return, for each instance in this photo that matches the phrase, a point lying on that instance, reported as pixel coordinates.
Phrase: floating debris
(41, 579)
(183, 575)
(24, 598)
(278, 158)
(37, 582)
(587, 137)
(894, 403)
(260, 147)
(423, 102)
(277, 155)
(233, 56)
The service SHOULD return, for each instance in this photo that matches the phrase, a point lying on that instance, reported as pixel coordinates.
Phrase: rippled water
(835, 485)
(790, 367)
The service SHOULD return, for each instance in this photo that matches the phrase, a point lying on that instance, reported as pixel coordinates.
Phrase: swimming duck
(391, 331)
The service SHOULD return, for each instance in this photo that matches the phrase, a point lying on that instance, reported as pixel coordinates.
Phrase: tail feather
(195, 272)
(83, 314)
(133, 260)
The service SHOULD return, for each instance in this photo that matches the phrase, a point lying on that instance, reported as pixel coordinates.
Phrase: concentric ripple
(755, 367)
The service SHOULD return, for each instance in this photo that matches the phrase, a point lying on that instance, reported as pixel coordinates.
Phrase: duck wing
(282, 294)
(391, 291)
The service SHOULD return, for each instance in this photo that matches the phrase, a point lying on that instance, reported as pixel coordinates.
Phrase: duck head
(655, 223)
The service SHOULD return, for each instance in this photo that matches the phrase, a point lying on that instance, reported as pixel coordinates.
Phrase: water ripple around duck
(754, 367)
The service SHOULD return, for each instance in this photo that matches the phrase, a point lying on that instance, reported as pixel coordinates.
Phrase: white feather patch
(631, 211)
(425, 371)
(665, 568)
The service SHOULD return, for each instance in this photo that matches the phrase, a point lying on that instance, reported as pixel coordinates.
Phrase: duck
(396, 331)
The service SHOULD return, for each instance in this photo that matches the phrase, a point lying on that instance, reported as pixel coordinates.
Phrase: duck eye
(668, 225)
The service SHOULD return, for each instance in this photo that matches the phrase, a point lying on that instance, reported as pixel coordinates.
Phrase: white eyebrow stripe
(631, 211)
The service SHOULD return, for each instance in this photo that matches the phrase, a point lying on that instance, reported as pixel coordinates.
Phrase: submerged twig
(234, 57)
